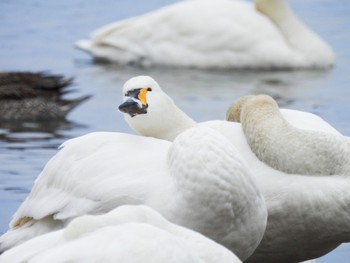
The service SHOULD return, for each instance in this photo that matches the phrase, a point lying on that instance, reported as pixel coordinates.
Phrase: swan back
(226, 188)
(212, 34)
(128, 234)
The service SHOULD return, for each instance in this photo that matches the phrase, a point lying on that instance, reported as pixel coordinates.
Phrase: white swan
(284, 147)
(308, 215)
(198, 181)
(208, 34)
(126, 234)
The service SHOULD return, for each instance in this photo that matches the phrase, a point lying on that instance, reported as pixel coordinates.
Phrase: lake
(38, 35)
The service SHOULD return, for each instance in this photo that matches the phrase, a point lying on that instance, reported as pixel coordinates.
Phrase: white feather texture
(308, 215)
(199, 181)
(287, 148)
(131, 234)
(212, 34)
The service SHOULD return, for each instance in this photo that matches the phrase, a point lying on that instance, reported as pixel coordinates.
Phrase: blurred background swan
(213, 34)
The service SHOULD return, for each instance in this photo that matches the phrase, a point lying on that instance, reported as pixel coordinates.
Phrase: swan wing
(85, 176)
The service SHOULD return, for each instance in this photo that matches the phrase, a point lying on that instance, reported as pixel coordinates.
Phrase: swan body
(284, 147)
(212, 34)
(308, 215)
(211, 193)
(126, 234)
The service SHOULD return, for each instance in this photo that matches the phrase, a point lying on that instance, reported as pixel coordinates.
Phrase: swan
(125, 234)
(213, 34)
(198, 182)
(35, 96)
(282, 146)
(308, 215)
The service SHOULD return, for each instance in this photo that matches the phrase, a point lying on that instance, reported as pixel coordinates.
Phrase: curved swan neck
(286, 148)
(295, 32)
(164, 120)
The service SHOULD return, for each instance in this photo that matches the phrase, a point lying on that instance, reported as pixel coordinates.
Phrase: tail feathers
(84, 45)
(69, 105)
(30, 229)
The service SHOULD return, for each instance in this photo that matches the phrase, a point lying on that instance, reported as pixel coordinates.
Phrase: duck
(35, 96)
(38, 109)
(308, 215)
(265, 34)
(18, 84)
(272, 138)
(128, 233)
(197, 182)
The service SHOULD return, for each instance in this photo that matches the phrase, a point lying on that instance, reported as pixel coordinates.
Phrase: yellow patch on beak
(142, 96)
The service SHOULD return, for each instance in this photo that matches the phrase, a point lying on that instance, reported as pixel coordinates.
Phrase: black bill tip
(132, 108)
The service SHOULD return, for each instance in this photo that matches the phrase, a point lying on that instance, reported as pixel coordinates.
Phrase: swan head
(234, 111)
(150, 111)
(244, 105)
(135, 93)
(271, 8)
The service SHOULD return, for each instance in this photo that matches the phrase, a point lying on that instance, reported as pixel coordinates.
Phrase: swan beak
(133, 108)
(135, 103)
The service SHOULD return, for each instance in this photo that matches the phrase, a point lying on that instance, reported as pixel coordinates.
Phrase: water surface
(39, 35)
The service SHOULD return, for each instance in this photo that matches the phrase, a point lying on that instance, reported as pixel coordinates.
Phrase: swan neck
(164, 121)
(295, 151)
(297, 35)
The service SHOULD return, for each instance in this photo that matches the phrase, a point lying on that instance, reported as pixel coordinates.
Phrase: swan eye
(139, 94)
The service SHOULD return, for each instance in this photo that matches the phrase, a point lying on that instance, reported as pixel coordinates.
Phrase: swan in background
(199, 181)
(308, 215)
(213, 34)
(35, 96)
(125, 234)
(284, 147)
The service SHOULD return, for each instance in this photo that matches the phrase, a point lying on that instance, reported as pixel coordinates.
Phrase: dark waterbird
(31, 96)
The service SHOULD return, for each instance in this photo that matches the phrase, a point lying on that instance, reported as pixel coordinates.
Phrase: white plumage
(308, 215)
(129, 234)
(212, 34)
(199, 181)
(285, 147)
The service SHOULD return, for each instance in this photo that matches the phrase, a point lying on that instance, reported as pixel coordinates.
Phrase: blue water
(39, 35)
